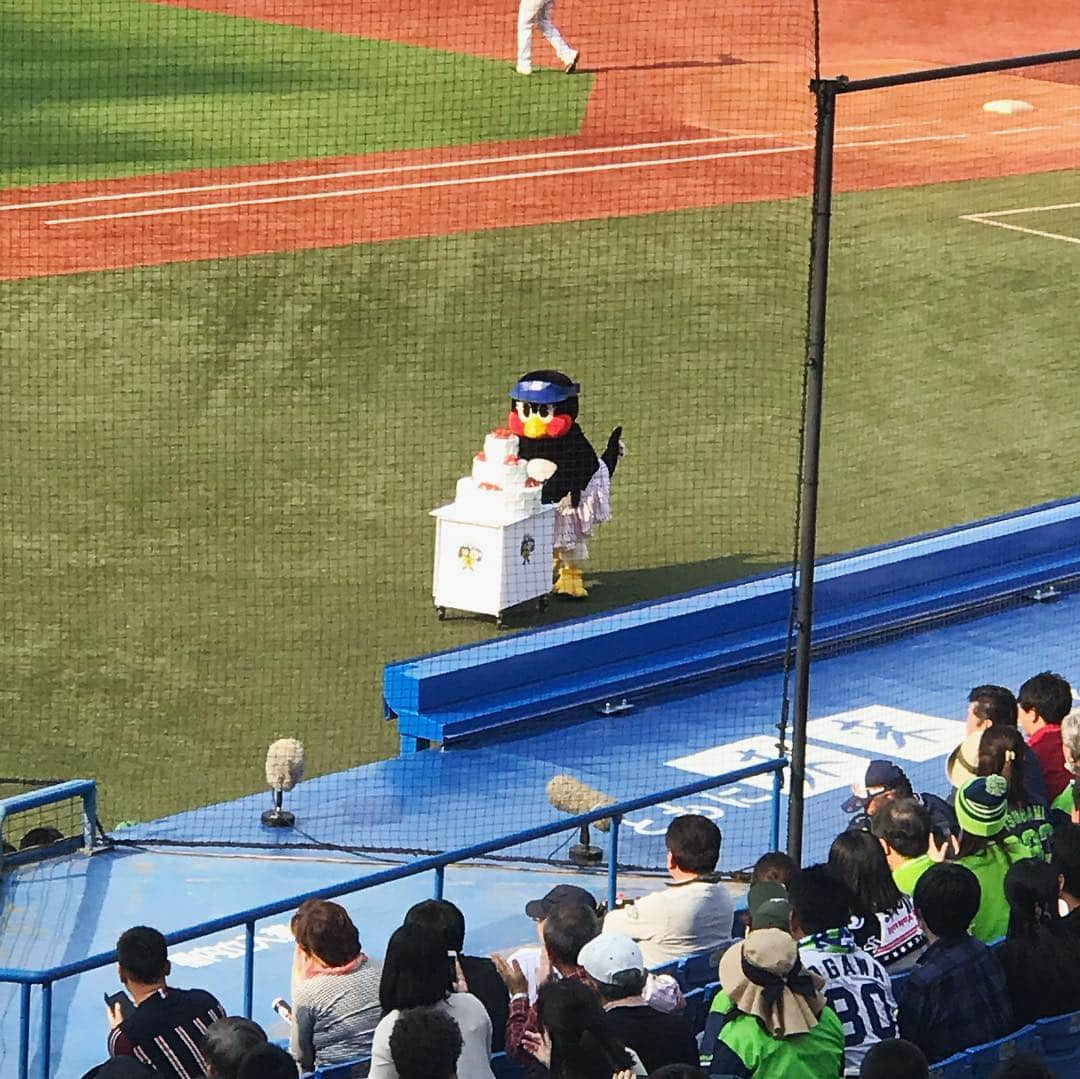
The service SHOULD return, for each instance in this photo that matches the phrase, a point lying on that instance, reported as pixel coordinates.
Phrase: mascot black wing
(544, 417)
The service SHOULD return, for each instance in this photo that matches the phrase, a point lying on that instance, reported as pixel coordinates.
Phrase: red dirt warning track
(669, 132)
(228, 213)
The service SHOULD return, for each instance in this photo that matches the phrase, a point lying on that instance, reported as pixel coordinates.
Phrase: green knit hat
(981, 805)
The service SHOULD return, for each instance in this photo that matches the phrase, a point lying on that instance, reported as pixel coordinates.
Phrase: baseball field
(270, 270)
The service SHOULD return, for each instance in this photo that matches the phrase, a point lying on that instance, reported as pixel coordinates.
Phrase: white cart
(489, 566)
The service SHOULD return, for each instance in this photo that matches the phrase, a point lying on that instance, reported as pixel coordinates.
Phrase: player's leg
(528, 14)
(567, 54)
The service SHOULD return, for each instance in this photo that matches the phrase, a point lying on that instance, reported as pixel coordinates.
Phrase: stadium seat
(349, 1069)
(985, 1058)
(504, 1068)
(1060, 1037)
(696, 1009)
(698, 1003)
(695, 971)
(957, 1066)
(738, 926)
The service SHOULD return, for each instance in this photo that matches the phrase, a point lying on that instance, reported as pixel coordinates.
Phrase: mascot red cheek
(543, 415)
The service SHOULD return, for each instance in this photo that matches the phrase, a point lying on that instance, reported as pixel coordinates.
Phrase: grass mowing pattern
(214, 515)
(109, 88)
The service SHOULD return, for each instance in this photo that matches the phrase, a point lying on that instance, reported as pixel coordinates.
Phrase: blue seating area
(983, 1059)
(350, 1069)
(1060, 1039)
(699, 998)
(1057, 1040)
(691, 971)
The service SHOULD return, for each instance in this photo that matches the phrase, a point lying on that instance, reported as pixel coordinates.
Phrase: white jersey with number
(858, 989)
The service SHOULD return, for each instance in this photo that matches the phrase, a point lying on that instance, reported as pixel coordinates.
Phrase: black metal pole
(825, 91)
(936, 74)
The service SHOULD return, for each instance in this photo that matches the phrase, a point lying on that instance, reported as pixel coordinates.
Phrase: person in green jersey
(999, 750)
(903, 828)
(985, 849)
(770, 1019)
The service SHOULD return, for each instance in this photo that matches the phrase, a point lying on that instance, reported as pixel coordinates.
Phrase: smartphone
(127, 1006)
(283, 1008)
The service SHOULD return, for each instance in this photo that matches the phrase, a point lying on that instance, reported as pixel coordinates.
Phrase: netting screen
(272, 272)
(39, 831)
(954, 232)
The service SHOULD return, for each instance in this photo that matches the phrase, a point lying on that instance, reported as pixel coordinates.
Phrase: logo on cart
(469, 557)
(528, 545)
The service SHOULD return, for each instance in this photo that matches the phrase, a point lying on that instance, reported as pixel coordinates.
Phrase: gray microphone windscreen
(284, 764)
(572, 796)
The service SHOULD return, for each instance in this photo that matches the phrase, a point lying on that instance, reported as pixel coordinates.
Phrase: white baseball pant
(537, 13)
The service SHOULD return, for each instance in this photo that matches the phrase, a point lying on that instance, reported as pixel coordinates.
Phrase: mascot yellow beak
(534, 427)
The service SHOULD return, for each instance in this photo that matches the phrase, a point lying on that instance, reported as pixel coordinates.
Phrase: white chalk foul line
(1021, 210)
(420, 185)
(1020, 228)
(514, 176)
(457, 163)
(389, 170)
(338, 193)
(989, 217)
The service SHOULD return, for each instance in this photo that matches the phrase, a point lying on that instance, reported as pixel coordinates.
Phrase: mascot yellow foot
(570, 582)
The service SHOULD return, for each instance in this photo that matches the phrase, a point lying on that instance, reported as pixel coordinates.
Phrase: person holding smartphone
(335, 991)
(160, 1026)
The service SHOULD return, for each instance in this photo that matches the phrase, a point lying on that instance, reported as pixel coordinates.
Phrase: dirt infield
(670, 130)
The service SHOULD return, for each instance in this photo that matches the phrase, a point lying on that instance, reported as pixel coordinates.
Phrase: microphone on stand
(572, 796)
(284, 769)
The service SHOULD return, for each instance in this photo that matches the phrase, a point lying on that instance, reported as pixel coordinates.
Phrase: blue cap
(881, 776)
(538, 392)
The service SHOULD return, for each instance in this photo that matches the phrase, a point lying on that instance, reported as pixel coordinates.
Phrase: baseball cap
(562, 895)
(541, 392)
(963, 763)
(767, 902)
(981, 805)
(608, 955)
(880, 776)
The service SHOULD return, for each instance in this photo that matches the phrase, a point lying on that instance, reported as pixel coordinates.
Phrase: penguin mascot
(543, 414)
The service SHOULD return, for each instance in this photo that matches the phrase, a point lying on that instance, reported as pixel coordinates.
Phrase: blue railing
(86, 789)
(435, 863)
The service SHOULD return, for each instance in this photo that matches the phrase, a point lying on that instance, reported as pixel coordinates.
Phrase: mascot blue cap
(538, 392)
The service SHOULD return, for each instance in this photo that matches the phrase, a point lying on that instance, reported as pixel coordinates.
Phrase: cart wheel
(440, 613)
(541, 604)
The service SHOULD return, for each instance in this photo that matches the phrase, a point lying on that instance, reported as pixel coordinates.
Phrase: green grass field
(215, 506)
(106, 88)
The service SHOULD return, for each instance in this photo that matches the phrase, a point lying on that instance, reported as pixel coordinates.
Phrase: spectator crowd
(940, 921)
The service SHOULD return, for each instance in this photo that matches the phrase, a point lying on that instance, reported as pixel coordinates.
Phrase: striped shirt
(166, 1031)
(335, 1015)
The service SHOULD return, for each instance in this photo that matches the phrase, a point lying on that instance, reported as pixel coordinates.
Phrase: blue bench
(485, 687)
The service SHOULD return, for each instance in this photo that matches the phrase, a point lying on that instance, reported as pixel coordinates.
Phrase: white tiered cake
(499, 482)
